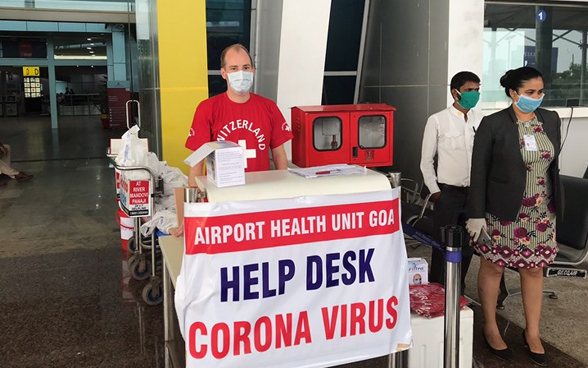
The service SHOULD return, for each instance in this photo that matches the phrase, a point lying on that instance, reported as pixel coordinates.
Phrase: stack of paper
(329, 170)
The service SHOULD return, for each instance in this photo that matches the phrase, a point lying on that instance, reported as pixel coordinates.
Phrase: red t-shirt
(257, 125)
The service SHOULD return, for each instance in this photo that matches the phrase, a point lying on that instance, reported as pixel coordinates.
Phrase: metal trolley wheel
(132, 245)
(152, 293)
(132, 259)
(138, 272)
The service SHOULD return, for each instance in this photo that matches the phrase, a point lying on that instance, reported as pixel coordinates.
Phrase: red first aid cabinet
(340, 134)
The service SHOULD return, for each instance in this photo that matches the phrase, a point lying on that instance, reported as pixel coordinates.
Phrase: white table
(264, 185)
(172, 249)
(261, 185)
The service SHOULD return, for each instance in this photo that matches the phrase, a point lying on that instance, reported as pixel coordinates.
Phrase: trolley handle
(110, 155)
(155, 181)
(138, 112)
(131, 168)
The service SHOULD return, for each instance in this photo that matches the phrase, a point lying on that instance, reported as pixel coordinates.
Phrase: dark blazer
(498, 176)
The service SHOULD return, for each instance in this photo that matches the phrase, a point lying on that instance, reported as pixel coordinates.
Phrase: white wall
(465, 38)
(291, 47)
(267, 47)
(574, 156)
(305, 25)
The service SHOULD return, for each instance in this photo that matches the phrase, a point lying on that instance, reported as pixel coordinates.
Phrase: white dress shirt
(451, 138)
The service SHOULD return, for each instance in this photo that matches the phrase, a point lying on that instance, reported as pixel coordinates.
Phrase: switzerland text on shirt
(451, 138)
(242, 124)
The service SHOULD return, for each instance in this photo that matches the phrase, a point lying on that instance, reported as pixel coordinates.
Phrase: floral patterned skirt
(527, 242)
(522, 257)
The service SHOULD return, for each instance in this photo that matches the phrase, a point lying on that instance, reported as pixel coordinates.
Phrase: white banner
(302, 282)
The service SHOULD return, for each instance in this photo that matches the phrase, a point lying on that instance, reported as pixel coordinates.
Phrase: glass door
(144, 65)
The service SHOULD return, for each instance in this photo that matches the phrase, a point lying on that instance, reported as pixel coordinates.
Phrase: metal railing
(78, 105)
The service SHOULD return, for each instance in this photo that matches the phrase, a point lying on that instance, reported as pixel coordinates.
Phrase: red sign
(138, 192)
(117, 99)
(236, 233)
(117, 180)
(135, 197)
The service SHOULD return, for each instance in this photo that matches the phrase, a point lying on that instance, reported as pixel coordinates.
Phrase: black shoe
(504, 354)
(539, 359)
(22, 176)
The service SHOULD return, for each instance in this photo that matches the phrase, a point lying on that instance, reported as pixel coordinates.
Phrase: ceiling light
(89, 48)
(89, 39)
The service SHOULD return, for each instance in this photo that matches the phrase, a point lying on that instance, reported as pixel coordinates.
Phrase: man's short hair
(462, 78)
(236, 46)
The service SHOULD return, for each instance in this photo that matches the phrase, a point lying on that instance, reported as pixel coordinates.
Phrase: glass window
(549, 38)
(85, 46)
(83, 5)
(343, 44)
(372, 131)
(216, 85)
(227, 22)
(344, 35)
(17, 47)
(338, 90)
(326, 132)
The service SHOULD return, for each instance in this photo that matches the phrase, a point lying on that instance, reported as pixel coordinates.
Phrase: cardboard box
(225, 163)
(418, 271)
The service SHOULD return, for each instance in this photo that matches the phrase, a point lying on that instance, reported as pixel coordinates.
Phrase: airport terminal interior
(74, 75)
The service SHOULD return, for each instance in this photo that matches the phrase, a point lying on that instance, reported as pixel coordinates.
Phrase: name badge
(530, 142)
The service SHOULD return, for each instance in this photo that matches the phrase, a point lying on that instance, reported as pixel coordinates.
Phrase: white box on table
(225, 162)
(418, 271)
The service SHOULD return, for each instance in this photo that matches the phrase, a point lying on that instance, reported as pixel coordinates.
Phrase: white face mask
(240, 81)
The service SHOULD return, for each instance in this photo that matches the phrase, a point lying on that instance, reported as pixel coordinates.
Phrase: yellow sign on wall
(30, 71)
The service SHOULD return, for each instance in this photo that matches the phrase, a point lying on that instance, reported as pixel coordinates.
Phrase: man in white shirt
(449, 135)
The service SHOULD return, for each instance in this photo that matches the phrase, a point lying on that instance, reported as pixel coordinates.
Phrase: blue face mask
(528, 104)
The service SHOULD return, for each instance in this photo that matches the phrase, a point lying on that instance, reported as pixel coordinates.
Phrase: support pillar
(52, 84)
(290, 57)
(183, 76)
(116, 59)
(583, 67)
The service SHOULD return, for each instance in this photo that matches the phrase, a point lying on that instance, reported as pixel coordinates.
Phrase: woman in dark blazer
(513, 196)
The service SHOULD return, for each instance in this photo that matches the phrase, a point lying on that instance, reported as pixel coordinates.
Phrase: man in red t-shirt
(240, 116)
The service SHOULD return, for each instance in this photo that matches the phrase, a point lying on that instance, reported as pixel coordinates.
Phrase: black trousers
(450, 209)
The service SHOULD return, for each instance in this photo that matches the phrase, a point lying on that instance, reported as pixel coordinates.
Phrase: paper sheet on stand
(328, 170)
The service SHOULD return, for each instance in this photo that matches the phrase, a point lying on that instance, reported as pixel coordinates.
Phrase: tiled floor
(564, 321)
(66, 299)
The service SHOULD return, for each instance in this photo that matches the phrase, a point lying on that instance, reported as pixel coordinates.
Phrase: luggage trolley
(140, 267)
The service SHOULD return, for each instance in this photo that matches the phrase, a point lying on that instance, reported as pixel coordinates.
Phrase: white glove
(474, 227)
